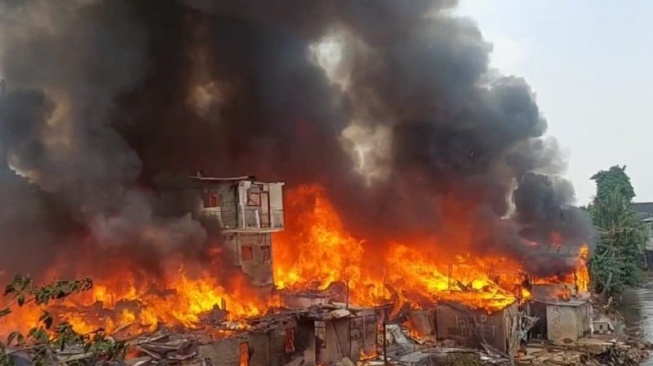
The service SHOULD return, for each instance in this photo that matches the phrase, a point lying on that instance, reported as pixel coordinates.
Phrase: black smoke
(104, 96)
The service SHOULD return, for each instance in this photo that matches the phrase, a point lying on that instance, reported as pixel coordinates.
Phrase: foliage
(621, 235)
(42, 342)
(613, 180)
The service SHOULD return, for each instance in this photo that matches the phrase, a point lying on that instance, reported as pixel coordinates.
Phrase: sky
(591, 66)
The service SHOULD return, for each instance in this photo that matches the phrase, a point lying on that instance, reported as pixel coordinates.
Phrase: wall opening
(289, 343)
(210, 199)
(246, 252)
(266, 253)
(243, 359)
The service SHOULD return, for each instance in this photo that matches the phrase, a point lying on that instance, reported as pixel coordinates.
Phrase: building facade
(244, 211)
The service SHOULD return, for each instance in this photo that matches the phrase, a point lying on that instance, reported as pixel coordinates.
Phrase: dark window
(210, 199)
(246, 252)
(266, 252)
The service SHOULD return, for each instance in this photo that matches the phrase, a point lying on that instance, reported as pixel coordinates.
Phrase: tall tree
(613, 180)
(621, 235)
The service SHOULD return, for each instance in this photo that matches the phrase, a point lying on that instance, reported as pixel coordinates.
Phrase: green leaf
(20, 339)
(38, 335)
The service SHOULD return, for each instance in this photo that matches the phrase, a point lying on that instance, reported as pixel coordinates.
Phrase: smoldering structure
(386, 104)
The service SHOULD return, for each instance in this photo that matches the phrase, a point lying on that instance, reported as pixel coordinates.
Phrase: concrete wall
(567, 321)
(259, 267)
(276, 204)
(228, 201)
(462, 326)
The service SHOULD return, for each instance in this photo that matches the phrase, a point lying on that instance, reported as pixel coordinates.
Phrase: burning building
(245, 213)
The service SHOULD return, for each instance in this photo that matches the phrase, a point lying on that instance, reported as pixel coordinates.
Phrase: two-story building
(245, 211)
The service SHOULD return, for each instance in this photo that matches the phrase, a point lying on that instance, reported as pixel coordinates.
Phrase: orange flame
(121, 300)
(580, 277)
(321, 251)
(313, 253)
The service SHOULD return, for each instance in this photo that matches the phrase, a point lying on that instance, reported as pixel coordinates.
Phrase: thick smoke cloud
(106, 95)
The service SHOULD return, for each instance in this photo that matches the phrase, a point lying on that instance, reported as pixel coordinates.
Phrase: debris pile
(591, 351)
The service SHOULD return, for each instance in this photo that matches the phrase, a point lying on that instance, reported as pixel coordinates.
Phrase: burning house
(244, 211)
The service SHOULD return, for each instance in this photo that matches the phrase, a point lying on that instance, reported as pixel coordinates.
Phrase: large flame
(319, 250)
(312, 254)
(122, 300)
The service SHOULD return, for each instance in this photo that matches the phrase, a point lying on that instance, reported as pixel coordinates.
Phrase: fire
(582, 275)
(121, 300)
(320, 250)
(467, 284)
(185, 300)
(315, 249)
(364, 356)
(579, 278)
(313, 253)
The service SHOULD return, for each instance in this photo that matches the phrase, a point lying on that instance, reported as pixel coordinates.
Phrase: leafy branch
(42, 343)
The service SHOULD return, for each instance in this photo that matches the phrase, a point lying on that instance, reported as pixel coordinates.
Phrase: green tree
(613, 180)
(621, 235)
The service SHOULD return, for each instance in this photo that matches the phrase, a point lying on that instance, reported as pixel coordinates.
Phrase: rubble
(339, 334)
(314, 328)
(595, 352)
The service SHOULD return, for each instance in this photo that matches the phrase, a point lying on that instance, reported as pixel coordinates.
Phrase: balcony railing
(249, 218)
(255, 218)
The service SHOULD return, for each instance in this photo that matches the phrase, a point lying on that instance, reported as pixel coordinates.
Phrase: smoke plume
(387, 104)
